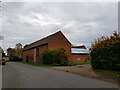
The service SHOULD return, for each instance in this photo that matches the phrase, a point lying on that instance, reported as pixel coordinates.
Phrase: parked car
(3, 61)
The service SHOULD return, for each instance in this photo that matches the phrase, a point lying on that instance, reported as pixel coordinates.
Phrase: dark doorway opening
(26, 58)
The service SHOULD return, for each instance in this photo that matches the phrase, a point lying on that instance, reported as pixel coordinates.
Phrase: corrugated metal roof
(78, 50)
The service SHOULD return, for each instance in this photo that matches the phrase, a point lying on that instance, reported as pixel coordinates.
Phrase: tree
(2, 53)
(1, 50)
(15, 53)
(10, 52)
(105, 52)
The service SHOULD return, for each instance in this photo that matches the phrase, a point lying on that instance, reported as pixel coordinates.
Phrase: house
(79, 54)
(33, 52)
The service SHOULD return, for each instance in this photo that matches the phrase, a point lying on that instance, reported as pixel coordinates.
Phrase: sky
(80, 22)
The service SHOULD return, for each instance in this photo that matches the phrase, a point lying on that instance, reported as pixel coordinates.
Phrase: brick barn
(33, 52)
(79, 54)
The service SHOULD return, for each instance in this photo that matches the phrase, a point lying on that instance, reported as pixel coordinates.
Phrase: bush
(16, 59)
(105, 52)
(57, 57)
(72, 63)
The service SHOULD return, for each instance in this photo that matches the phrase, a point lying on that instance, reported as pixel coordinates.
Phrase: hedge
(105, 52)
(16, 59)
(56, 57)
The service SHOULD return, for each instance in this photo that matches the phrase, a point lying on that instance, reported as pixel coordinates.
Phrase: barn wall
(30, 54)
(41, 50)
(79, 58)
(60, 41)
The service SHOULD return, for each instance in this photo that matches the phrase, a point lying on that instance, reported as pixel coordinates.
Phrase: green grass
(107, 72)
(72, 63)
(15, 61)
(81, 63)
(34, 64)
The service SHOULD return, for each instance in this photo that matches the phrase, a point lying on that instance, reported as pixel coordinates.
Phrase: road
(0, 77)
(18, 75)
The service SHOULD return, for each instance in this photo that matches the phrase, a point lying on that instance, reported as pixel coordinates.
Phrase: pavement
(18, 75)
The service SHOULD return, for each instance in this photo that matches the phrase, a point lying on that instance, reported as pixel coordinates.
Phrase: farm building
(33, 52)
(79, 54)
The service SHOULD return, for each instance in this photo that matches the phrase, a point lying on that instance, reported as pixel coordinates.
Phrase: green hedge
(105, 52)
(16, 59)
(56, 57)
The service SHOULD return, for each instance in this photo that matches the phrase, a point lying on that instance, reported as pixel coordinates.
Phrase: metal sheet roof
(78, 50)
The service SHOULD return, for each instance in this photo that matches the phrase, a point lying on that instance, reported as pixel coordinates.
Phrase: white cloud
(81, 23)
(60, 0)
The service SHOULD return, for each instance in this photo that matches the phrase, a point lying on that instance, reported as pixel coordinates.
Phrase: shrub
(105, 52)
(16, 59)
(72, 63)
(57, 57)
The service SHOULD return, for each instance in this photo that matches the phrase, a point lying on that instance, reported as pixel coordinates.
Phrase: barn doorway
(26, 58)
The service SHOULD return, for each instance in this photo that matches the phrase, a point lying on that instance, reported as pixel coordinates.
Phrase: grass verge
(72, 63)
(35, 64)
(109, 73)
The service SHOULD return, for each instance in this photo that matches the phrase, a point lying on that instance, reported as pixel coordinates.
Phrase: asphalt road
(0, 77)
(18, 75)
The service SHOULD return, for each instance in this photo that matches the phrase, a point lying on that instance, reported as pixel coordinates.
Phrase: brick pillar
(34, 55)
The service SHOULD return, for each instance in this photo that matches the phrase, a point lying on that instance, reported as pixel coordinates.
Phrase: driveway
(18, 75)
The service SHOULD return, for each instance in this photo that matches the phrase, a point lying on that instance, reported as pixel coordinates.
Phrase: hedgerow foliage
(16, 59)
(105, 52)
(56, 57)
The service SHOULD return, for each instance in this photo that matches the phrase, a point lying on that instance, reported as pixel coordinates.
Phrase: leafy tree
(15, 52)
(10, 52)
(105, 52)
(16, 58)
(2, 52)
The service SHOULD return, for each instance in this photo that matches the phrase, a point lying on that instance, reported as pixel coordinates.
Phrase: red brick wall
(30, 54)
(41, 50)
(60, 41)
(79, 58)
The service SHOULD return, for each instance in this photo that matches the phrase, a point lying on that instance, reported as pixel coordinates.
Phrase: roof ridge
(43, 39)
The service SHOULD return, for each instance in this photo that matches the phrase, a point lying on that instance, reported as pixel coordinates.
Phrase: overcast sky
(81, 22)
